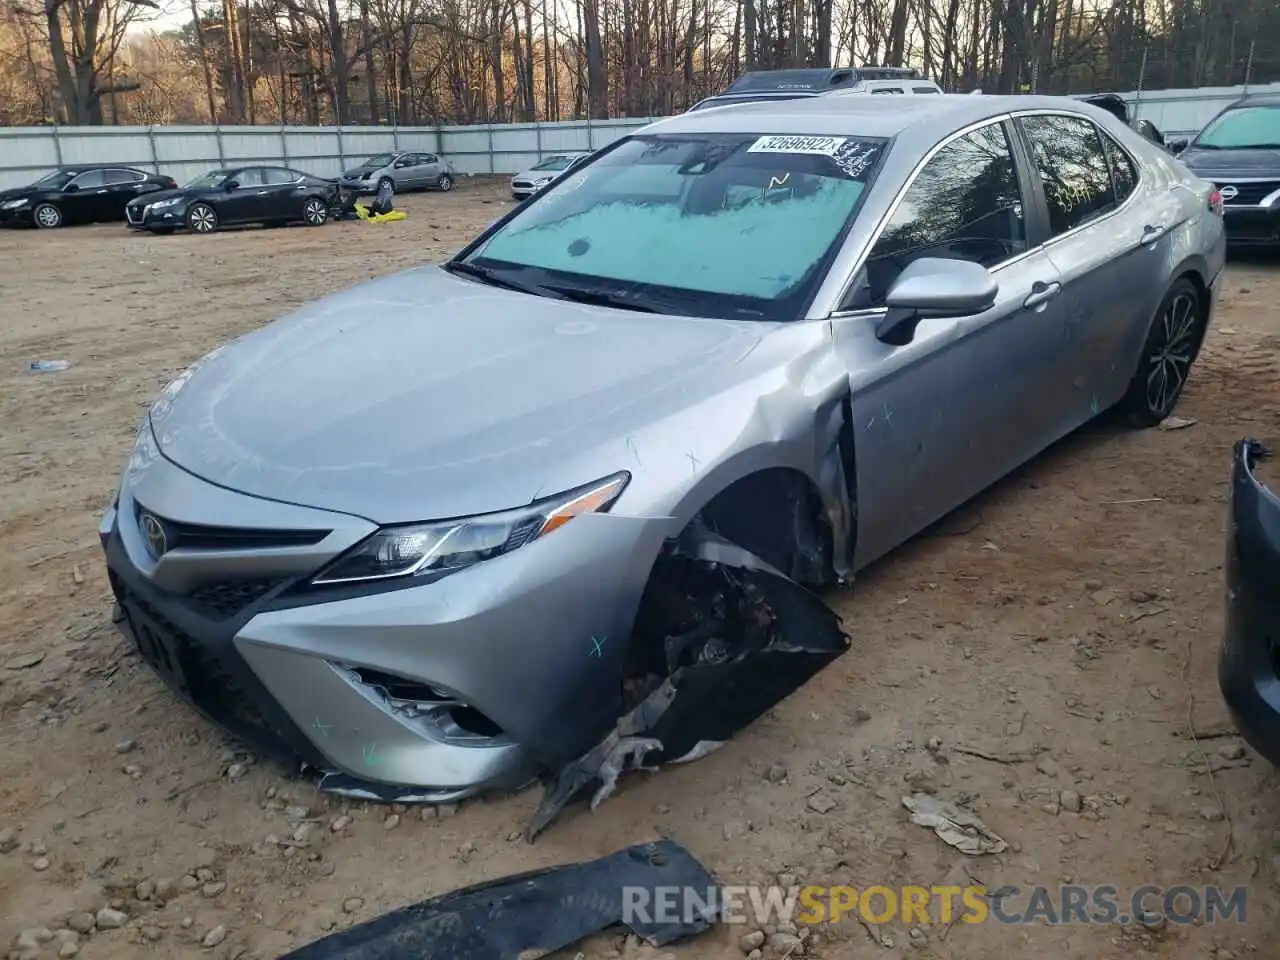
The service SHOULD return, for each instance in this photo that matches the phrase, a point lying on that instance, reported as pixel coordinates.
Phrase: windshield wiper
(604, 298)
(499, 278)
(1256, 146)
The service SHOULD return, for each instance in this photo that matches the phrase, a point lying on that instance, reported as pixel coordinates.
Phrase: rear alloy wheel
(445, 183)
(315, 212)
(1172, 346)
(202, 218)
(47, 216)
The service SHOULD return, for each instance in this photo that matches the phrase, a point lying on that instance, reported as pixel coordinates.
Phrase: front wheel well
(776, 514)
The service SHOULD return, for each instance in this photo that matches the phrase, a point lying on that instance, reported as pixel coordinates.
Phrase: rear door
(282, 199)
(1109, 231)
(942, 417)
(431, 169)
(122, 186)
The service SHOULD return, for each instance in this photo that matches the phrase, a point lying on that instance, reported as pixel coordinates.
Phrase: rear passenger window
(1073, 169)
(275, 176)
(923, 90)
(966, 204)
(1124, 176)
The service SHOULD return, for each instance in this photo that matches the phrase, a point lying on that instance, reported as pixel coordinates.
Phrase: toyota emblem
(153, 531)
(1228, 192)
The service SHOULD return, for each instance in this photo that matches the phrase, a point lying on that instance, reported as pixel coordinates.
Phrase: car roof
(85, 167)
(865, 116)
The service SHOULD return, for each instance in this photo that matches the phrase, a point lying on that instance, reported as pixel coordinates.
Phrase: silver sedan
(549, 505)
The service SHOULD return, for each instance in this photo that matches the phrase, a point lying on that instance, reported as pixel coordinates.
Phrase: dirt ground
(1075, 609)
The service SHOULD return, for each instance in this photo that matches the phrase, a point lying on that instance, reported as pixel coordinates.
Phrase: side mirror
(231, 185)
(934, 287)
(71, 188)
(1178, 144)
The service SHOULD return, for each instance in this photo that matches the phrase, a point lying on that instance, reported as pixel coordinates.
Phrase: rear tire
(202, 218)
(1171, 347)
(315, 212)
(47, 216)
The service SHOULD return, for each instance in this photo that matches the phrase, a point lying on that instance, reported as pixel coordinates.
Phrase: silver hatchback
(404, 171)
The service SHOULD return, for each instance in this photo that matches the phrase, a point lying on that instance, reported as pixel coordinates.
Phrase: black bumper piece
(1249, 664)
(534, 914)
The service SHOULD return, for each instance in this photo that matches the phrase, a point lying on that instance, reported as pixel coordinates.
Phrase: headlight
(14, 204)
(452, 544)
(161, 204)
(542, 181)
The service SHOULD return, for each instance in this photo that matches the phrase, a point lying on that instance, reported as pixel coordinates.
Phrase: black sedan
(1239, 151)
(78, 195)
(1249, 667)
(239, 195)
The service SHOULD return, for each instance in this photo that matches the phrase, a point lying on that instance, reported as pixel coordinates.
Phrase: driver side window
(965, 204)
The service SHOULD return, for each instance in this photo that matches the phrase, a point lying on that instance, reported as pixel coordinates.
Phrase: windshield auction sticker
(813, 146)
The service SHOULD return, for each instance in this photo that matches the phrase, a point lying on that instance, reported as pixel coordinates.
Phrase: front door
(1107, 236)
(940, 418)
(85, 199)
(247, 203)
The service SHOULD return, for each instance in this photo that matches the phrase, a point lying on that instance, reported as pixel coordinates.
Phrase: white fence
(185, 152)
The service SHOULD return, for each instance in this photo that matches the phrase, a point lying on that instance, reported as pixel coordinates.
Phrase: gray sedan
(403, 171)
(451, 528)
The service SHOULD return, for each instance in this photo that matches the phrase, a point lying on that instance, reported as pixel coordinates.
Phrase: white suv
(905, 86)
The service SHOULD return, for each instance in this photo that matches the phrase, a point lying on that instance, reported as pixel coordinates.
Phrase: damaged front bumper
(427, 692)
(1249, 664)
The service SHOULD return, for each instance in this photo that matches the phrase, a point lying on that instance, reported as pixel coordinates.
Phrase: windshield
(381, 160)
(208, 181)
(1241, 128)
(554, 163)
(56, 179)
(730, 225)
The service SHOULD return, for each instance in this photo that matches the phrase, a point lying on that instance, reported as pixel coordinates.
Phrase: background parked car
(526, 184)
(220, 198)
(78, 195)
(404, 171)
(1239, 151)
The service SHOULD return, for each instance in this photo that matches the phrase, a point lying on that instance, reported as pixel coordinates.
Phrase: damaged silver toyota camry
(554, 507)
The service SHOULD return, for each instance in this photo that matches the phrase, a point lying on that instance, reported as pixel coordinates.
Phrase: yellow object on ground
(364, 213)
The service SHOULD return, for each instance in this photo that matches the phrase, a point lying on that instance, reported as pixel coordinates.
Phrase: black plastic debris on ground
(533, 914)
(731, 641)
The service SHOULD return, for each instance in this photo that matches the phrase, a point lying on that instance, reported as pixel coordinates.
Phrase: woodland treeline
(468, 61)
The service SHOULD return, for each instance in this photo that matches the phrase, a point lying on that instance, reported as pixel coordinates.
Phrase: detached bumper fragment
(1249, 664)
(723, 640)
(534, 914)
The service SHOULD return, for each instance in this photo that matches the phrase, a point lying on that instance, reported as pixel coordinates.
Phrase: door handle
(261, 193)
(102, 191)
(1041, 294)
(1151, 234)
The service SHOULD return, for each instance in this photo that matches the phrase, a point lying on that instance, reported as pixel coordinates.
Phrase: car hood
(1216, 164)
(359, 171)
(155, 195)
(424, 395)
(20, 193)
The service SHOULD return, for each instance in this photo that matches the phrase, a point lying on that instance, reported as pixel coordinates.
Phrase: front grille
(133, 214)
(196, 672)
(1249, 194)
(521, 184)
(225, 598)
(201, 537)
